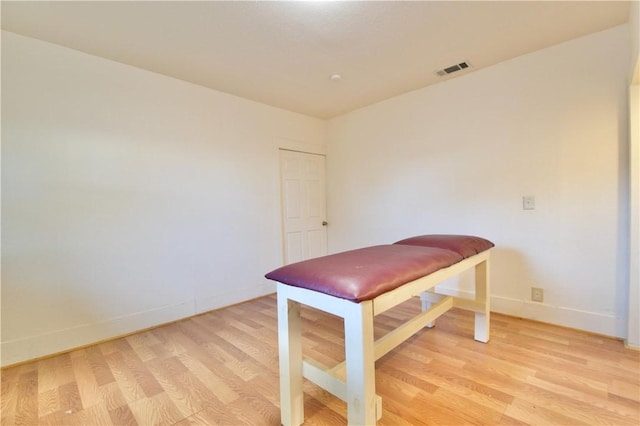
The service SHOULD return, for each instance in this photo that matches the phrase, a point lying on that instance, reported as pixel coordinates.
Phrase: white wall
(457, 157)
(129, 198)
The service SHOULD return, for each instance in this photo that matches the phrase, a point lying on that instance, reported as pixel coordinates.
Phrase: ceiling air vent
(452, 69)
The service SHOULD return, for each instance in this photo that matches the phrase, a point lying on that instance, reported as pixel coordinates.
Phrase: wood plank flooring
(222, 368)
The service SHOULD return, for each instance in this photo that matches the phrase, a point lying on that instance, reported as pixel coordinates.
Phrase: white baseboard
(41, 345)
(32, 347)
(24, 349)
(594, 322)
(231, 297)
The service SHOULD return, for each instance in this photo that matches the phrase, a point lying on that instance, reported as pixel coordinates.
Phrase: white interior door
(302, 179)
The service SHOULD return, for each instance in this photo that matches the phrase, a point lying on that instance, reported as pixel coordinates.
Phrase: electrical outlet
(537, 294)
(529, 202)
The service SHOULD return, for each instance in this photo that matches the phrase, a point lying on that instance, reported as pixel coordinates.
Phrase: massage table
(357, 285)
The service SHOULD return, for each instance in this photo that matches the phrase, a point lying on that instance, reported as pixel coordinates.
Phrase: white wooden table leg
(290, 352)
(426, 305)
(360, 360)
(482, 319)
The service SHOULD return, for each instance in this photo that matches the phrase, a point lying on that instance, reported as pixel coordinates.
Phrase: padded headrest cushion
(464, 245)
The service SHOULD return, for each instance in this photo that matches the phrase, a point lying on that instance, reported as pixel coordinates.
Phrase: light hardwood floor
(221, 368)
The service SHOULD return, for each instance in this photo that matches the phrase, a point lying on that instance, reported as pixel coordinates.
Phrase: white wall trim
(593, 322)
(633, 326)
(60, 341)
(32, 347)
(300, 146)
(231, 297)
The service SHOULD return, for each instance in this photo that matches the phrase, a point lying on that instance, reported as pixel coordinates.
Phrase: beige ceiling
(283, 53)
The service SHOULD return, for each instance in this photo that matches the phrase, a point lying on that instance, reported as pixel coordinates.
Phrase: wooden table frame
(353, 380)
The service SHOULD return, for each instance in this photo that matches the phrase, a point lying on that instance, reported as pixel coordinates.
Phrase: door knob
(325, 223)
